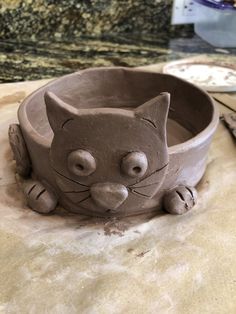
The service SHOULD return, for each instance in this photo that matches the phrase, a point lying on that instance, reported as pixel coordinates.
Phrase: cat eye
(134, 164)
(81, 163)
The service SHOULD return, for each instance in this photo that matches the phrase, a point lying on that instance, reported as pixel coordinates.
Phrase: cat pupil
(137, 169)
(80, 167)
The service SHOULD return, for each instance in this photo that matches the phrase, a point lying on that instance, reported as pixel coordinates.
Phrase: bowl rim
(195, 141)
(216, 5)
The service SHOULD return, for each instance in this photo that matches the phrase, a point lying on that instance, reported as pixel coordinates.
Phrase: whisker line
(150, 175)
(138, 193)
(70, 178)
(75, 191)
(84, 199)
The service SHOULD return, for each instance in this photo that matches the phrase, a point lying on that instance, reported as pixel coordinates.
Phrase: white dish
(209, 76)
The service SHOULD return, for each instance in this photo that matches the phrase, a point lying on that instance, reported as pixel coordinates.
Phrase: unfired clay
(96, 143)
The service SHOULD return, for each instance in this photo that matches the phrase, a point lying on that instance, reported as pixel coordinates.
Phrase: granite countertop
(30, 60)
(44, 39)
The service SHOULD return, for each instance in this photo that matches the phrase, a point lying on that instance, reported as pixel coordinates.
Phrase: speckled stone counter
(29, 60)
(63, 19)
(49, 38)
(45, 38)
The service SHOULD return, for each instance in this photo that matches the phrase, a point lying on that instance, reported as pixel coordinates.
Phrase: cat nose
(108, 195)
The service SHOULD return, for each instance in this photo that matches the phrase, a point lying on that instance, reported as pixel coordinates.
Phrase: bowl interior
(191, 110)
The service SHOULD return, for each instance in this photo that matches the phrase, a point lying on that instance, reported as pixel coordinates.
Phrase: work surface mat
(65, 263)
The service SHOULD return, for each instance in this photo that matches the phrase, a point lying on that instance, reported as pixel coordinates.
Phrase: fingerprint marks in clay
(20, 153)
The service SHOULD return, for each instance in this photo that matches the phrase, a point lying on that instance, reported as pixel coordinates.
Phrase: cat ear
(58, 111)
(155, 110)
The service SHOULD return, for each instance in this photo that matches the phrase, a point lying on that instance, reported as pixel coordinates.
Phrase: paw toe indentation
(31, 189)
(40, 193)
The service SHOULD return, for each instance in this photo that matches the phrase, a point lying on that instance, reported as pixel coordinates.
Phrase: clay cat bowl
(113, 142)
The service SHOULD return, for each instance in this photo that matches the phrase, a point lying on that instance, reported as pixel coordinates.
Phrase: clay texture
(97, 143)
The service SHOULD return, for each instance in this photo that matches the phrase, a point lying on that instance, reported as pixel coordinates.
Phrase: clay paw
(39, 198)
(180, 200)
(19, 150)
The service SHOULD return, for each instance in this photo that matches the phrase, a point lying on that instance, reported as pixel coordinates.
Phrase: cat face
(108, 160)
